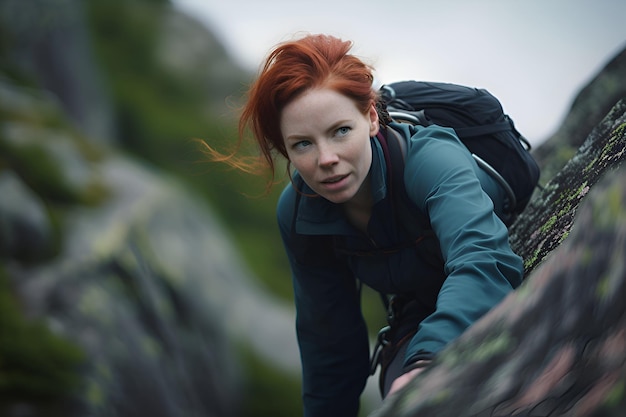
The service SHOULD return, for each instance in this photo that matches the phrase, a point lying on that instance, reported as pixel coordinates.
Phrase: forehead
(318, 106)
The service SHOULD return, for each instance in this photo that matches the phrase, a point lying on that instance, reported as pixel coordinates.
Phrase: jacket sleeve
(480, 267)
(330, 329)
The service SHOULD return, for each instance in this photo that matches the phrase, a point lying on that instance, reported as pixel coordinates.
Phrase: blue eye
(301, 144)
(343, 131)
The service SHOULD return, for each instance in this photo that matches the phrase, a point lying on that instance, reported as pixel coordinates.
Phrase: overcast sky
(534, 55)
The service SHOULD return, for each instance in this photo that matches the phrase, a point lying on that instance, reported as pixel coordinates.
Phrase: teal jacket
(443, 181)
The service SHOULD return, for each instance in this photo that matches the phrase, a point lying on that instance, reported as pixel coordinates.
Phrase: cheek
(363, 156)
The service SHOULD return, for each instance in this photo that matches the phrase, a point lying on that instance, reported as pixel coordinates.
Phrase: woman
(314, 104)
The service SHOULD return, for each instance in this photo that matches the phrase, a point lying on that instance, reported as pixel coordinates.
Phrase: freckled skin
(328, 142)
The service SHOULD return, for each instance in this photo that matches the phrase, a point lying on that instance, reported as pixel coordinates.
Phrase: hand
(403, 379)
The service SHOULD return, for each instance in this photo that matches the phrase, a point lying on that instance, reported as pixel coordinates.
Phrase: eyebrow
(332, 128)
(296, 137)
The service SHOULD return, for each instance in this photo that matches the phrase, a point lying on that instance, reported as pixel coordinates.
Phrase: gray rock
(25, 228)
(127, 288)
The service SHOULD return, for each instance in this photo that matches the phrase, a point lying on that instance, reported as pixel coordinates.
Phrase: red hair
(293, 67)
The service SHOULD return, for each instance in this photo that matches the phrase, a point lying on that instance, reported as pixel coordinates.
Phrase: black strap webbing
(406, 214)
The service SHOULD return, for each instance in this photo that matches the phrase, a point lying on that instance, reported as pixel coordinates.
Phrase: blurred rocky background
(135, 278)
(125, 286)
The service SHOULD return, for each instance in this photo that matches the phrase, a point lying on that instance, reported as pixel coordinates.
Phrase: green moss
(548, 225)
(34, 362)
(616, 396)
(615, 140)
(499, 342)
(610, 210)
(94, 394)
(33, 108)
(32, 161)
(532, 259)
(489, 348)
(603, 290)
(157, 109)
(34, 164)
(268, 392)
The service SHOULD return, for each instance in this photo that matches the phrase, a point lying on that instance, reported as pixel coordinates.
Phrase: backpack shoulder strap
(406, 213)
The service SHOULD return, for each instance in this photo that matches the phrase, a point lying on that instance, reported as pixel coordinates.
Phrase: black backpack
(480, 123)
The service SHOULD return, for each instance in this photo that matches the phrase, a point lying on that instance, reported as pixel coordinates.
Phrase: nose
(327, 155)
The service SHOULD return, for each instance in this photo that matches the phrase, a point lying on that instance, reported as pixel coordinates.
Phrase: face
(328, 141)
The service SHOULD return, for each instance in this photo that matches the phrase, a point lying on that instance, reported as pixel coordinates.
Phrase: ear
(374, 122)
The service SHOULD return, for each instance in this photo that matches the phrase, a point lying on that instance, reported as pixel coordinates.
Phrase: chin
(338, 198)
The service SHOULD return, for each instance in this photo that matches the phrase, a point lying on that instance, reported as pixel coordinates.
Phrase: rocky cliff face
(590, 106)
(135, 276)
(120, 294)
(47, 44)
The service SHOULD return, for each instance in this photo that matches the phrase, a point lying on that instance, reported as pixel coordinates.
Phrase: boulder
(137, 280)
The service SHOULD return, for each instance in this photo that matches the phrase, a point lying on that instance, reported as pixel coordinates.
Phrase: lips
(334, 184)
(333, 180)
